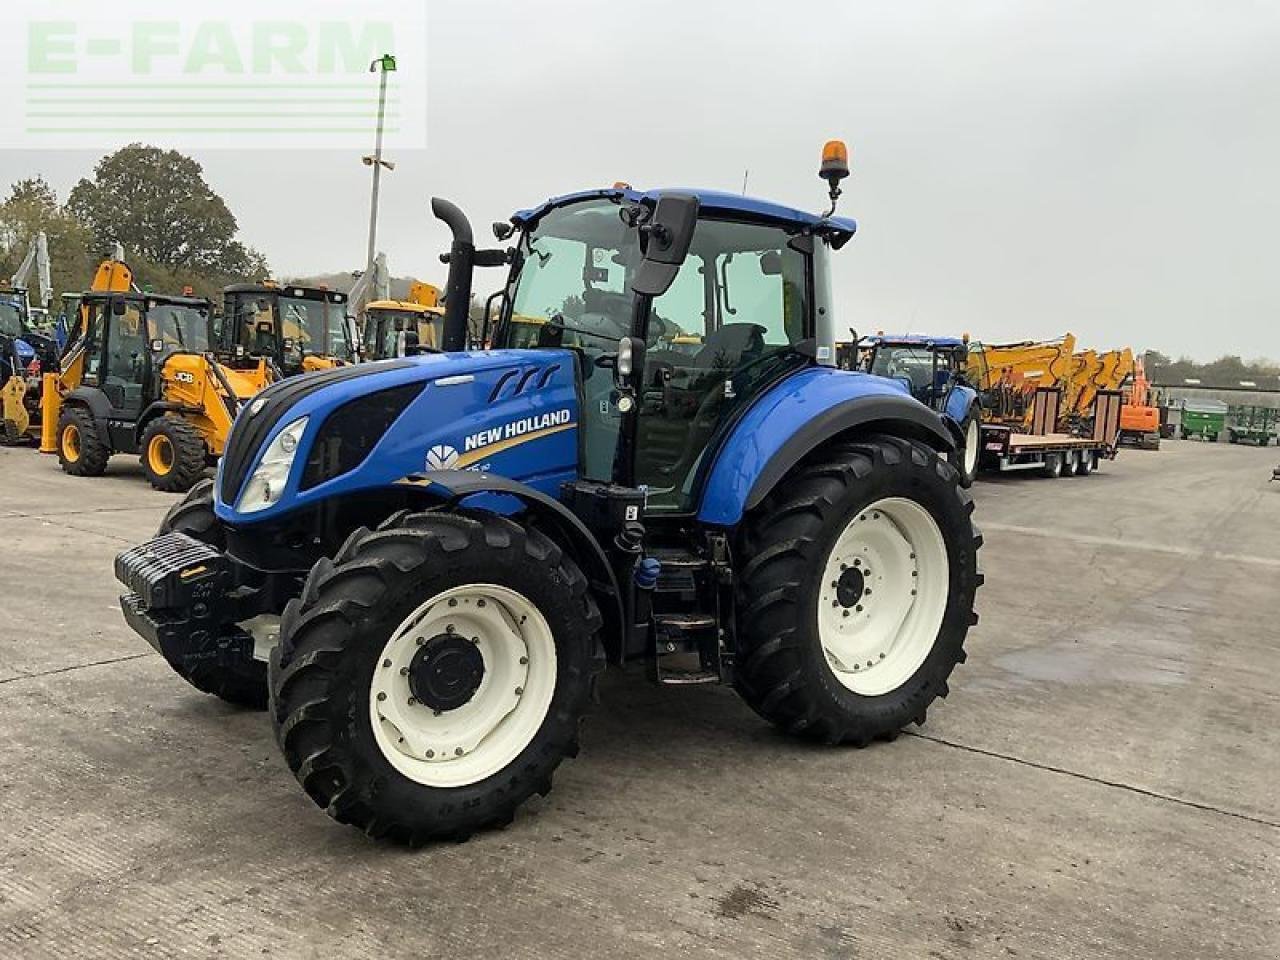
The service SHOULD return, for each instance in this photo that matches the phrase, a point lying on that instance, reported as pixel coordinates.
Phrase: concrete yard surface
(1103, 781)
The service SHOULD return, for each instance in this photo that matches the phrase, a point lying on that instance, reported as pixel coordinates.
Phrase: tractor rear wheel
(81, 451)
(173, 454)
(432, 677)
(856, 591)
(224, 666)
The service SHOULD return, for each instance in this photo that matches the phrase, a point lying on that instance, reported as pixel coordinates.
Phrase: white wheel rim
(466, 744)
(877, 628)
(971, 448)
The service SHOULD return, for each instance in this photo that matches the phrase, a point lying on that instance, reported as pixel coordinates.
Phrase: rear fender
(797, 416)
(487, 491)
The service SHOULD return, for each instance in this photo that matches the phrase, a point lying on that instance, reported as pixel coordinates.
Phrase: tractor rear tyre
(856, 590)
(81, 451)
(224, 666)
(173, 454)
(432, 677)
(966, 458)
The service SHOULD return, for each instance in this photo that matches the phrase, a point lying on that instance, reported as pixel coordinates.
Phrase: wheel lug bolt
(835, 583)
(846, 613)
(381, 697)
(915, 573)
(857, 563)
(435, 713)
(835, 603)
(386, 663)
(913, 593)
(523, 661)
(870, 663)
(475, 639)
(519, 691)
(421, 641)
(449, 628)
(868, 591)
(413, 701)
(404, 671)
(858, 608)
(523, 619)
(882, 656)
(479, 603)
(453, 601)
(459, 752)
(430, 754)
(844, 566)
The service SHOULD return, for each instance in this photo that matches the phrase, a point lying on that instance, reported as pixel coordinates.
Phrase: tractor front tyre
(173, 454)
(223, 666)
(966, 458)
(432, 677)
(81, 452)
(856, 591)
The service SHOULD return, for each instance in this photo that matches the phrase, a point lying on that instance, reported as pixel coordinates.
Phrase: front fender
(98, 405)
(796, 416)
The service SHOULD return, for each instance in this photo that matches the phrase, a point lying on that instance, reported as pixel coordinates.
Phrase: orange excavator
(1139, 419)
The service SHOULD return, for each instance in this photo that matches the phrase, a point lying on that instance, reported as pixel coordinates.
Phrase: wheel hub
(446, 672)
(850, 586)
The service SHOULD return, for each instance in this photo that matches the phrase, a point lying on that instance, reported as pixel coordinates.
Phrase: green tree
(157, 203)
(32, 207)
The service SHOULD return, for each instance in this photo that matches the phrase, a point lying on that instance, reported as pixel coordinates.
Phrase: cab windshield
(180, 326)
(315, 326)
(10, 319)
(383, 328)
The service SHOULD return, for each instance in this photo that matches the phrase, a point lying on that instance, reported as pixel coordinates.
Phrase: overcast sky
(1020, 169)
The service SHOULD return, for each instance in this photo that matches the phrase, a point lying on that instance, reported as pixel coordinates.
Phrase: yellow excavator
(138, 377)
(1007, 375)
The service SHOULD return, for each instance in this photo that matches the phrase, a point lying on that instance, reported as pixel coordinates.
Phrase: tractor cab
(662, 373)
(24, 348)
(399, 328)
(299, 329)
(933, 371)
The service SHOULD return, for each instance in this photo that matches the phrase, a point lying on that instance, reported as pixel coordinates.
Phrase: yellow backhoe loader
(296, 329)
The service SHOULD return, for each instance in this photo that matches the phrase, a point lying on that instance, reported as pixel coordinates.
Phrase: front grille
(252, 429)
(351, 431)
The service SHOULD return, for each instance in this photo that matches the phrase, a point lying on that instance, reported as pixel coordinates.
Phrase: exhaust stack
(461, 260)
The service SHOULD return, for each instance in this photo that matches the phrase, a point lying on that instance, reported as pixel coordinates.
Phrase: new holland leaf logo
(442, 457)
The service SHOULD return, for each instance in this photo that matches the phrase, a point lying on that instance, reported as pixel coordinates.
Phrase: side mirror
(666, 237)
(157, 346)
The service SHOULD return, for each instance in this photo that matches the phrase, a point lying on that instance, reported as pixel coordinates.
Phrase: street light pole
(386, 64)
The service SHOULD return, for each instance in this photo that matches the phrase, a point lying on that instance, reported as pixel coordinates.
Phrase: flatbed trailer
(1251, 424)
(1045, 448)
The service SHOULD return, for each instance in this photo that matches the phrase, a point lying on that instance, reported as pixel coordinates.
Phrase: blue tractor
(421, 564)
(932, 369)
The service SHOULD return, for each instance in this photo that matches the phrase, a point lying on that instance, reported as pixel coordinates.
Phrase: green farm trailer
(1203, 419)
(1252, 424)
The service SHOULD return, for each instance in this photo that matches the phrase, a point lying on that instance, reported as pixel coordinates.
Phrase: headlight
(272, 473)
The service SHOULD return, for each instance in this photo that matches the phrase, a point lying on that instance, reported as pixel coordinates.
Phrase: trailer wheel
(965, 459)
(81, 451)
(1070, 460)
(1088, 461)
(431, 679)
(855, 591)
(223, 666)
(173, 454)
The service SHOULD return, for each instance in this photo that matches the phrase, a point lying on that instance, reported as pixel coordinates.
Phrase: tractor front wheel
(856, 591)
(80, 450)
(173, 454)
(432, 677)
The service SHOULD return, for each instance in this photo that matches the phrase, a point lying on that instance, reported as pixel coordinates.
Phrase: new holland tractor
(932, 369)
(420, 565)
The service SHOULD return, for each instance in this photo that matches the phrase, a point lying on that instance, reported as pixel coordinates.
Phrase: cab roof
(406, 305)
(306, 293)
(912, 340)
(840, 229)
(159, 298)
